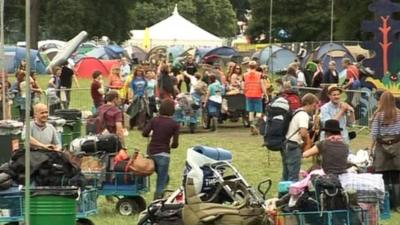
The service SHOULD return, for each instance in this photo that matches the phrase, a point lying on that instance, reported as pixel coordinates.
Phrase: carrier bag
(196, 212)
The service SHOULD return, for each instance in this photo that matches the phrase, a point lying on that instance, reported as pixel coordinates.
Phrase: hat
(332, 126)
(252, 63)
(334, 87)
(246, 60)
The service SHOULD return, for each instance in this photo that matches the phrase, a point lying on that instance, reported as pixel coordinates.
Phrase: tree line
(293, 20)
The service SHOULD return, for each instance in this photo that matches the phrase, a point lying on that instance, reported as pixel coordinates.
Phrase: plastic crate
(87, 204)
(339, 217)
(11, 205)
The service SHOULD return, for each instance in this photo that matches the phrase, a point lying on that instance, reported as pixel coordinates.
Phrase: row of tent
(89, 57)
(278, 58)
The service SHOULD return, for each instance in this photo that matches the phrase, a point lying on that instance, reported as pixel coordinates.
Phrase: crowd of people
(147, 93)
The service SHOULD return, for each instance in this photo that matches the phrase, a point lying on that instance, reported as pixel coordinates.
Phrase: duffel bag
(140, 165)
(109, 143)
(69, 114)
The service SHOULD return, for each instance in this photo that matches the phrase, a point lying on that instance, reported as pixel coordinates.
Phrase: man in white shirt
(296, 136)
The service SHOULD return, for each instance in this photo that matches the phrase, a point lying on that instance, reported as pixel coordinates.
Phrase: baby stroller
(216, 180)
(188, 110)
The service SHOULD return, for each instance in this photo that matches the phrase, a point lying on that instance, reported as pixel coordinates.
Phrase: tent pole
(2, 62)
(27, 110)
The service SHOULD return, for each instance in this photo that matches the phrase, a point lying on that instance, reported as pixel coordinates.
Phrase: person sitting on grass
(162, 129)
(333, 150)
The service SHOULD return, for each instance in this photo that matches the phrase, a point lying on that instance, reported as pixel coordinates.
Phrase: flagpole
(27, 111)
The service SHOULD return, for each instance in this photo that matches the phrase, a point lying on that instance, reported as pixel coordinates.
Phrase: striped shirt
(385, 129)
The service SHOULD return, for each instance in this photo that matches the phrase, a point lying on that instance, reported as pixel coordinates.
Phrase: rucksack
(330, 194)
(293, 99)
(279, 116)
(99, 122)
(197, 212)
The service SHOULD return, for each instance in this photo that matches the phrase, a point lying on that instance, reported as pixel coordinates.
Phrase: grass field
(248, 156)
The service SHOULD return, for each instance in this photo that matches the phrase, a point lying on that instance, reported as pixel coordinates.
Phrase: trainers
(253, 130)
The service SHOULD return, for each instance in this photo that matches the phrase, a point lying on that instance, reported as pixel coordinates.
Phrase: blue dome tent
(277, 58)
(14, 55)
(333, 52)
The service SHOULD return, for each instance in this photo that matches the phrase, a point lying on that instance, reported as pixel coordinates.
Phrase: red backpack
(293, 99)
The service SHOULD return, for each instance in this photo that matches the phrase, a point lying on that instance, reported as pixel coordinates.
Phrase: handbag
(140, 165)
(388, 143)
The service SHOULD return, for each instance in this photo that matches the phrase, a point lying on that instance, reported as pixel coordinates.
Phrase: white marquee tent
(175, 30)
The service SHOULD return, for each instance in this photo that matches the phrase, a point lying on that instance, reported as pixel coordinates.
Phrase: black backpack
(330, 193)
(279, 116)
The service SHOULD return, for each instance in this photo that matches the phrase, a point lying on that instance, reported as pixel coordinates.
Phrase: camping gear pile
(48, 168)
(321, 198)
(214, 192)
(108, 167)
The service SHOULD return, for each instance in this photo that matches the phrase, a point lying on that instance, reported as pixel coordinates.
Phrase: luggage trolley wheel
(84, 221)
(131, 205)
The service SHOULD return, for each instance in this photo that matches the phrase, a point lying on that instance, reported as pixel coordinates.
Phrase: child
(52, 94)
(163, 129)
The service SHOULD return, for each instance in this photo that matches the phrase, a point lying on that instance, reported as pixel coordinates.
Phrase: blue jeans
(291, 161)
(162, 165)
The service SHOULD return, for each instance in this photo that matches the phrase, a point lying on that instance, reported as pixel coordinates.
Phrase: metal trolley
(124, 186)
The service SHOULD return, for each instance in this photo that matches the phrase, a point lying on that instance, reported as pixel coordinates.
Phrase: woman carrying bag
(385, 131)
(164, 136)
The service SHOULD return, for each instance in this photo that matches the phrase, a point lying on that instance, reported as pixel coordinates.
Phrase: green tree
(226, 18)
(64, 18)
(309, 20)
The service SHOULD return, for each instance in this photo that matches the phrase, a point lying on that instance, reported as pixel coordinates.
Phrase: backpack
(99, 122)
(293, 99)
(330, 193)
(197, 212)
(279, 116)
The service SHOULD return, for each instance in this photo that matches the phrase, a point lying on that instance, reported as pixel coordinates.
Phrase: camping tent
(175, 51)
(136, 53)
(175, 30)
(277, 58)
(332, 52)
(222, 52)
(106, 52)
(220, 55)
(14, 55)
(87, 65)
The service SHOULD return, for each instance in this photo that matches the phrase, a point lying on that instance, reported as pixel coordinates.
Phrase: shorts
(213, 109)
(254, 105)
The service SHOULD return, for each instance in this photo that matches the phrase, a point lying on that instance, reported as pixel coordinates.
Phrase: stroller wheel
(84, 221)
(127, 207)
(140, 202)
